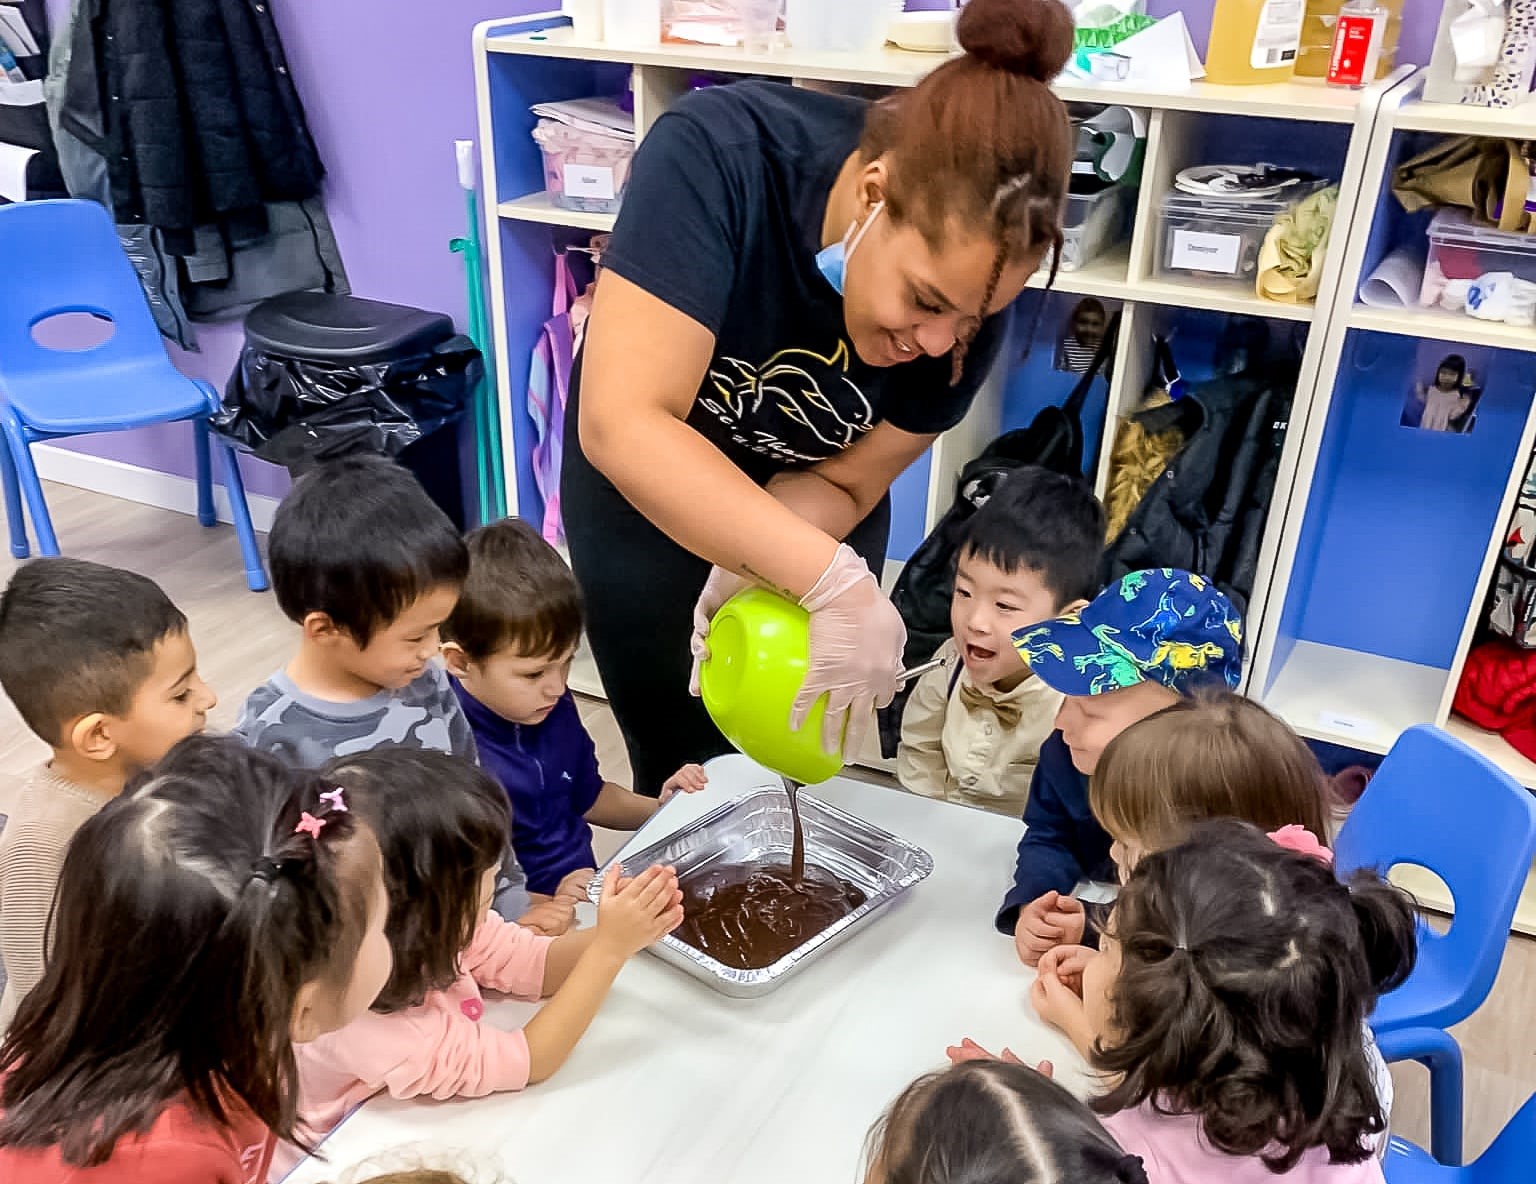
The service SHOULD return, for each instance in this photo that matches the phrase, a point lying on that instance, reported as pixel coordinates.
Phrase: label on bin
(1198, 250)
(589, 180)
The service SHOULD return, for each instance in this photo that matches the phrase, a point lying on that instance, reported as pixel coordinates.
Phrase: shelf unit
(519, 62)
(1389, 548)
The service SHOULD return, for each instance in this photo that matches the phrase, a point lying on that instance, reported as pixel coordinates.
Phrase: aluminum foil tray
(759, 826)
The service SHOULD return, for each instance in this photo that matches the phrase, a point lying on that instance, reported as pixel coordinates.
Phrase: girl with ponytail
(223, 908)
(801, 292)
(1235, 979)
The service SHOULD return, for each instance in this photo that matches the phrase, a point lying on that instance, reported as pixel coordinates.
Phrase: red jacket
(181, 1148)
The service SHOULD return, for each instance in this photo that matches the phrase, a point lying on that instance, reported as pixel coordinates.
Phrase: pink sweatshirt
(1173, 1152)
(439, 1048)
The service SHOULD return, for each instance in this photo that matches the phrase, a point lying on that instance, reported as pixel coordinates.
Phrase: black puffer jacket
(1207, 511)
(191, 104)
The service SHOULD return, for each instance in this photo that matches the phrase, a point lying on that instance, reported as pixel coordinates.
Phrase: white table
(677, 1084)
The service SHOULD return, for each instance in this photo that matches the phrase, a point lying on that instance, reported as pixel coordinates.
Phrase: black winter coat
(191, 104)
(1206, 512)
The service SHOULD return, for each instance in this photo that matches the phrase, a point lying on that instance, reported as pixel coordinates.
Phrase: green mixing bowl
(759, 652)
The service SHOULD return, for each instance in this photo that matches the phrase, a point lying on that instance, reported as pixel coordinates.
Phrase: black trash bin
(325, 376)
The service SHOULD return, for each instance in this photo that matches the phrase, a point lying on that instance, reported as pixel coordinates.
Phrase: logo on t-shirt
(796, 406)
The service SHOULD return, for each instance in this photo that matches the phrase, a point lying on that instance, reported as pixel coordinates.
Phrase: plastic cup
(635, 23)
(836, 26)
(759, 24)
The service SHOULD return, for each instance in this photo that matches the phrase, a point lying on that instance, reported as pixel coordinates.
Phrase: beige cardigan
(977, 746)
(47, 812)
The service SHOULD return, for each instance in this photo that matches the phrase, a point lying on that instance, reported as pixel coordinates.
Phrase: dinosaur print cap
(1161, 625)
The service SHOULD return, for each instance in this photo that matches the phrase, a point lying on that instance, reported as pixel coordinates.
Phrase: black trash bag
(298, 413)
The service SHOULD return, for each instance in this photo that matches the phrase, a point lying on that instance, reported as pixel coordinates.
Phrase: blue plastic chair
(1511, 1158)
(63, 257)
(1438, 804)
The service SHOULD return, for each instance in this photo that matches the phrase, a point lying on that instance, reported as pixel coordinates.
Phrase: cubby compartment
(1050, 348)
(1401, 515)
(1205, 253)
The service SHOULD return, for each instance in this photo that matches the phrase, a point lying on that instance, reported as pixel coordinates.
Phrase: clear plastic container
(1461, 249)
(582, 170)
(1217, 239)
(1317, 38)
(1095, 220)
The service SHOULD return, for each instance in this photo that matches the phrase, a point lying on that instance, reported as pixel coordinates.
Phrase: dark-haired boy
(99, 663)
(509, 645)
(369, 568)
(971, 732)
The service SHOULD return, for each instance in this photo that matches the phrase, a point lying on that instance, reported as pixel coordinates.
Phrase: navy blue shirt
(550, 773)
(1063, 842)
(722, 220)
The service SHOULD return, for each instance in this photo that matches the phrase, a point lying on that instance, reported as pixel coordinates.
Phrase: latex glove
(1046, 922)
(718, 588)
(688, 779)
(857, 637)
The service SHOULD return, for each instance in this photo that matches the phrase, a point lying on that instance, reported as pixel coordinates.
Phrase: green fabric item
(1109, 36)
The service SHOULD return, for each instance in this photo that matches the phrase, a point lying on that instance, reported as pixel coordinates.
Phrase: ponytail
(1387, 932)
(190, 912)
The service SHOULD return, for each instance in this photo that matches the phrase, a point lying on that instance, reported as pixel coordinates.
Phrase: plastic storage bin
(1095, 220)
(583, 170)
(1219, 239)
(1463, 252)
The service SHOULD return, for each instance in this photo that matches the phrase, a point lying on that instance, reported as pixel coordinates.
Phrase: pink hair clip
(1298, 838)
(309, 825)
(335, 800)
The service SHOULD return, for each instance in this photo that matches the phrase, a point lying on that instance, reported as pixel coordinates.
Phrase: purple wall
(389, 86)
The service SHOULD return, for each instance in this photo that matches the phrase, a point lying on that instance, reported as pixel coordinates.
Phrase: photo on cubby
(1445, 398)
(1082, 333)
(1043, 373)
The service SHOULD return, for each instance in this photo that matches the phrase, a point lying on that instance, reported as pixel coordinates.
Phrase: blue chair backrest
(1438, 804)
(62, 257)
(1513, 1154)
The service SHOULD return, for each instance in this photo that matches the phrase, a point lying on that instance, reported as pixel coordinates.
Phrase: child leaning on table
(1234, 985)
(100, 665)
(509, 644)
(442, 826)
(972, 730)
(1144, 641)
(369, 568)
(222, 908)
(994, 1122)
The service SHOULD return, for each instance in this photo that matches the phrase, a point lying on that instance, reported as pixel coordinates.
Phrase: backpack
(1513, 612)
(549, 382)
(1053, 440)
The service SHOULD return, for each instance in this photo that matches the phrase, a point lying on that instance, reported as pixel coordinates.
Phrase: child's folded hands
(1054, 919)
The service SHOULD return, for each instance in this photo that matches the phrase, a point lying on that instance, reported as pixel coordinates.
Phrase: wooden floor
(241, 638)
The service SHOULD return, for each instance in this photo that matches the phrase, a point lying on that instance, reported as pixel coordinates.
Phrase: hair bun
(1029, 37)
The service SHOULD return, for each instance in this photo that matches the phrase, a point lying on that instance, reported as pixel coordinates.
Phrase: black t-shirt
(722, 220)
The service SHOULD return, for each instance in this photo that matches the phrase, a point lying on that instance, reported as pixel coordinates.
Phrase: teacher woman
(800, 294)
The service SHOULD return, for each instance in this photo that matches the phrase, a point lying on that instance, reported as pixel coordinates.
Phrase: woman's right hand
(857, 638)
(634, 913)
(719, 588)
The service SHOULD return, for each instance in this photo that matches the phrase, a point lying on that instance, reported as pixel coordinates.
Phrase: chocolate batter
(750, 915)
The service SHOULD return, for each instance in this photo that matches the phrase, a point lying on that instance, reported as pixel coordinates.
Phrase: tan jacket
(977, 746)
